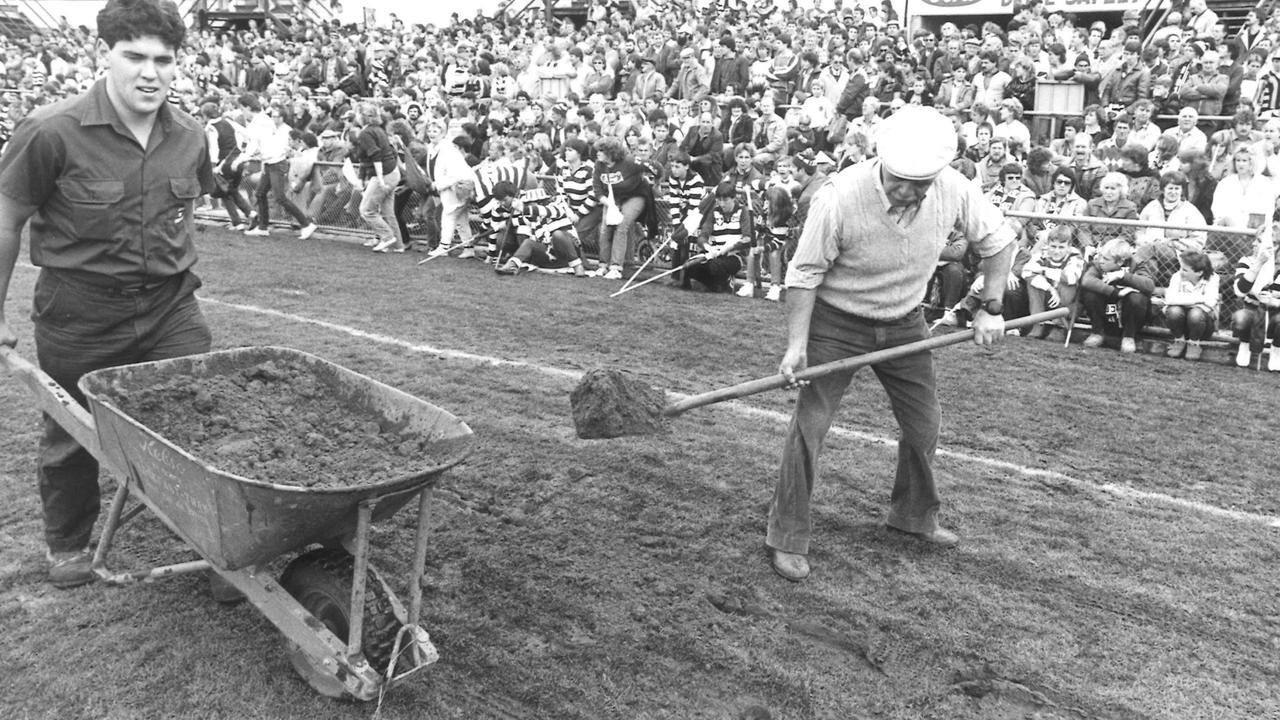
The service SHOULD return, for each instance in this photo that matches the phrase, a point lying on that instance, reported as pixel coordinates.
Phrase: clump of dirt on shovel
(612, 403)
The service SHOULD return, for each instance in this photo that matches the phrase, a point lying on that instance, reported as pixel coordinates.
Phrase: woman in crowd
(1060, 200)
(1244, 199)
(1257, 283)
(1144, 184)
(619, 182)
(455, 182)
(1112, 203)
(380, 173)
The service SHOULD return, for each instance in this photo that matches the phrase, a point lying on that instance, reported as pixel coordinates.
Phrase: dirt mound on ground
(276, 422)
(612, 403)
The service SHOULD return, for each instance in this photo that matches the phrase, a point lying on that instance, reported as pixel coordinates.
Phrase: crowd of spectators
(709, 125)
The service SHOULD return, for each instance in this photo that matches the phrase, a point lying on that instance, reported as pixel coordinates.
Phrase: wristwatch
(993, 306)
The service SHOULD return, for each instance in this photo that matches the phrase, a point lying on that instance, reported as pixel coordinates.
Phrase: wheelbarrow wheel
(320, 580)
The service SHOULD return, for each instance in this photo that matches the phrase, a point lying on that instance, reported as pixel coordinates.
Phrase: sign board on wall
(1005, 7)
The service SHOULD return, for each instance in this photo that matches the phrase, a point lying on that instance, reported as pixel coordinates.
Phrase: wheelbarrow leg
(109, 529)
(355, 630)
(419, 558)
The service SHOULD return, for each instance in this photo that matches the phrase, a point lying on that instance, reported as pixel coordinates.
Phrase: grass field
(1119, 515)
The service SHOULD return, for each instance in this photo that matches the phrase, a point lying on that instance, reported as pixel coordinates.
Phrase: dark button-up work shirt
(104, 204)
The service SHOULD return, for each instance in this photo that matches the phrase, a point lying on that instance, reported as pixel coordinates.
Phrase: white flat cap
(916, 142)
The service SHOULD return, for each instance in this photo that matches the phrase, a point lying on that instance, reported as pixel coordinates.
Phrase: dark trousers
(232, 199)
(275, 180)
(80, 328)
(912, 389)
(1254, 324)
(716, 273)
(1133, 308)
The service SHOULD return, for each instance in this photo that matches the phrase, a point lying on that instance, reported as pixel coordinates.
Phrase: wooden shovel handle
(751, 387)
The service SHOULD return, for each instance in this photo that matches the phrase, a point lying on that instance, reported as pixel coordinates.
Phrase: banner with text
(1005, 7)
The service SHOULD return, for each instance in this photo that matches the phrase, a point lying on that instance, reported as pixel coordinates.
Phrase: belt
(871, 321)
(115, 289)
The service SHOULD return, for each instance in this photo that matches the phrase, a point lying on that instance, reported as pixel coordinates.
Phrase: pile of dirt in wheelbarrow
(276, 422)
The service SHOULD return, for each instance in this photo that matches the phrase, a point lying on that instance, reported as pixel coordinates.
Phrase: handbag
(612, 213)
(416, 178)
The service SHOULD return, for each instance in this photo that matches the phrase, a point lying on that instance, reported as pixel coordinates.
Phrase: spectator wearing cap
(691, 81)
(1129, 81)
(849, 291)
(648, 82)
(1206, 86)
(731, 73)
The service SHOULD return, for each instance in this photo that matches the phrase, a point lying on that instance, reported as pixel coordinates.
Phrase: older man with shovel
(869, 246)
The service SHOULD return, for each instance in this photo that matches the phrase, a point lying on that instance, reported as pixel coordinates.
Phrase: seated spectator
(1164, 156)
(534, 231)
(1190, 138)
(1012, 129)
(1244, 199)
(1191, 305)
(1116, 294)
(685, 193)
(725, 234)
(1112, 203)
(1062, 147)
(1040, 166)
(989, 168)
(1144, 184)
(1171, 207)
(1060, 200)
(1257, 283)
(1052, 275)
(1224, 143)
(705, 145)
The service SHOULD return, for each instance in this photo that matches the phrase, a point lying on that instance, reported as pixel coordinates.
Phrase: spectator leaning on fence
(1257, 283)
(1190, 305)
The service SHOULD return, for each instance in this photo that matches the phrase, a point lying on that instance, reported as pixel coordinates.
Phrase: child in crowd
(726, 231)
(1191, 305)
(769, 243)
(1117, 294)
(1052, 274)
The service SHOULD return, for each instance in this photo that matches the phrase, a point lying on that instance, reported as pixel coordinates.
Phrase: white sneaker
(1128, 345)
(440, 251)
(774, 293)
(384, 244)
(614, 273)
(1094, 340)
(949, 319)
(371, 242)
(748, 290)
(238, 227)
(1273, 360)
(258, 232)
(306, 232)
(467, 253)
(1243, 355)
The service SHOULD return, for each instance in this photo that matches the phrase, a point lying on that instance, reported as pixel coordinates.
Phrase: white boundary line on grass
(1119, 491)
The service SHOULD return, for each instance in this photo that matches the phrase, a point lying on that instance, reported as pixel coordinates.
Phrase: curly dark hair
(123, 20)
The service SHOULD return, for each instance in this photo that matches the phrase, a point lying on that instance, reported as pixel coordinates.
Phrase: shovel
(609, 403)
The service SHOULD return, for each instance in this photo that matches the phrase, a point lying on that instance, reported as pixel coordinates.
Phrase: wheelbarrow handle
(53, 399)
(774, 382)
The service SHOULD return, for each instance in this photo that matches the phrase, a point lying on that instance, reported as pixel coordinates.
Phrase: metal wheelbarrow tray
(238, 524)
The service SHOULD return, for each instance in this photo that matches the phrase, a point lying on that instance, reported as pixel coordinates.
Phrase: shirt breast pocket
(184, 191)
(93, 204)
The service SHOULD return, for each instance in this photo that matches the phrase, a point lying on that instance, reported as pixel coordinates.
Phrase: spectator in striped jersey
(535, 230)
(1257, 282)
(725, 235)
(576, 185)
(684, 192)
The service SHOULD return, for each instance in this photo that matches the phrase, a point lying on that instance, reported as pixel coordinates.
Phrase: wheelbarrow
(238, 525)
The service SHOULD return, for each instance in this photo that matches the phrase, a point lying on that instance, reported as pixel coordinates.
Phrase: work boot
(789, 566)
(939, 536)
(70, 569)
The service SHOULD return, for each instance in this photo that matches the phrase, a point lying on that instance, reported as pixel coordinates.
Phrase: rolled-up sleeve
(818, 247)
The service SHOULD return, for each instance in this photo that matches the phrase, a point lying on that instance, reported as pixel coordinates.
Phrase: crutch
(1266, 320)
(662, 245)
(692, 261)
